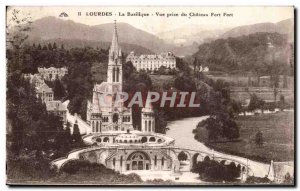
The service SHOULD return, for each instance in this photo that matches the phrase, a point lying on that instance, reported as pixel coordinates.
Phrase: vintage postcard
(195, 96)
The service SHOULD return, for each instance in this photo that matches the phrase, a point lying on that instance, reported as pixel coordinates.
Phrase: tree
(76, 134)
(282, 102)
(288, 179)
(235, 107)
(68, 135)
(17, 29)
(259, 139)
(185, 83)
(160, 121)
(231, 129)
(212, 170)
(128, 69)
(49, 46)
(54, 46)
(45, 47)
(214, 128)
(59, 90)
(255, 103)
(162, 70)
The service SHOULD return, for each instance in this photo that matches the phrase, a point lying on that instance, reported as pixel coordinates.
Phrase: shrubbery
(29, 169)
(257, 180)
(91, 172)
(212, 170)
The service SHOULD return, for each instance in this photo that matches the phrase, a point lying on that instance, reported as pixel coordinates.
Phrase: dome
(128, 138)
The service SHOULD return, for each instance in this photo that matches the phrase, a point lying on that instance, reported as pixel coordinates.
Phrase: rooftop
(55, 106)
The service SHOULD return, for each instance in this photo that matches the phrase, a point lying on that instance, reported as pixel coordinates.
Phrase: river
(182, 132)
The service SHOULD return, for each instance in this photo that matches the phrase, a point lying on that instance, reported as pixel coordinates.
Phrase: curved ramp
(83, 126)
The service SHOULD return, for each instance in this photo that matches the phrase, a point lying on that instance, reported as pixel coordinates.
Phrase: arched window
(106, 139)
(155, 160)
(163, 161)
(121, 161)
(114, 77)
(144, 139)
(118, 73)
(152, 139)
(98, 140)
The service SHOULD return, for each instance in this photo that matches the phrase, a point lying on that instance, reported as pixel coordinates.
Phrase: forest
(258, 53)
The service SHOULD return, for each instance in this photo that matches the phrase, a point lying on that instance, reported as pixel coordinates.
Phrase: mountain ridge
(48, 28)
(283, 27)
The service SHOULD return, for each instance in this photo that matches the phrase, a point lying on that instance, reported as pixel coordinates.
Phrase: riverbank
(277, 135)
(182, 132)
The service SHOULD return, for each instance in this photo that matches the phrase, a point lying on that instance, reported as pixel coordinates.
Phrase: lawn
(278, 137)
(264, 93)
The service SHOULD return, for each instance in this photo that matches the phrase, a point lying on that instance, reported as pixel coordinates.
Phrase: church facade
(106, 111)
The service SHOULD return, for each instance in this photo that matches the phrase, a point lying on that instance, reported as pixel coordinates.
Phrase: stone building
(111, 124)
(148, 119)
(44, 93)
(152, 61)
(51, 74)
(34, 79)
(57, 108)
(281, 172)
(104, 112)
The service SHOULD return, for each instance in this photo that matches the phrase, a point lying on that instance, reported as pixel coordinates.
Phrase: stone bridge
(193, 156)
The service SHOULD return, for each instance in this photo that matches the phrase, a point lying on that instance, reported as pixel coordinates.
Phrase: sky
(217, 17)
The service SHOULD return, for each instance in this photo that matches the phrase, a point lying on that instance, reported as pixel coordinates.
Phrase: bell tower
(114, 72)
(148, 118)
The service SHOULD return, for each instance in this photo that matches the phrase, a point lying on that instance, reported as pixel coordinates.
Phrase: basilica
(122, 148)
(104, 112)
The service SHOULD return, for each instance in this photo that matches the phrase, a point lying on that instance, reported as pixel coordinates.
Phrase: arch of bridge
(193, 153)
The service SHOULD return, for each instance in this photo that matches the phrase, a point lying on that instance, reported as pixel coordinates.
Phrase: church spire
(114, 71)
(114, 48)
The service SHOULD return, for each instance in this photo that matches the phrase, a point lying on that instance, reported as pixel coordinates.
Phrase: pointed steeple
(114, 71)
(114, 48)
